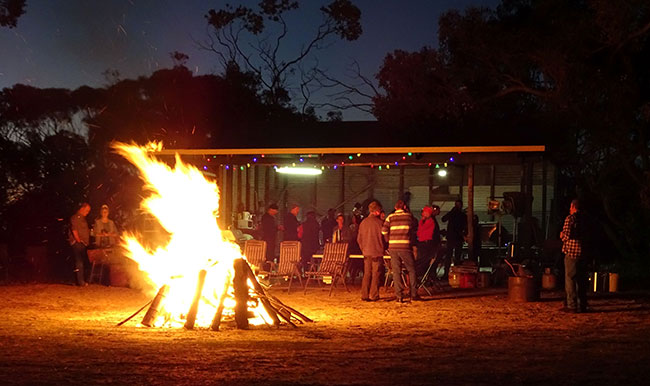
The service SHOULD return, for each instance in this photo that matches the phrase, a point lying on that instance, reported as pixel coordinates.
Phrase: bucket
(522, 289)
(483, 280)
(613, 282)
(119, 276)
(549, 281)
(467, 280)
(454, 279)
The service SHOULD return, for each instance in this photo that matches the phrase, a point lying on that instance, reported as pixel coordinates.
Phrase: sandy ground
(58, 334)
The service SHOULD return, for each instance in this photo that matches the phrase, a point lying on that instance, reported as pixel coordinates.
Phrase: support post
(267, 186)
(544, 196)
(470, 210)
(401, 182)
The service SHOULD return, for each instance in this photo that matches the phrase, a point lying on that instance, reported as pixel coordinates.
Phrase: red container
(468, 280)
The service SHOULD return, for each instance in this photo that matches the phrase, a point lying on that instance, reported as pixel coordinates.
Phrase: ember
(199, 278)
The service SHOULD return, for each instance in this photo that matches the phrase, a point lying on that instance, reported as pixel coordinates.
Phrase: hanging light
(442, 172)
(299, 171)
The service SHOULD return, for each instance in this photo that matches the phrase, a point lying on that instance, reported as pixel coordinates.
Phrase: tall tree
(255, 39)
(576, 70)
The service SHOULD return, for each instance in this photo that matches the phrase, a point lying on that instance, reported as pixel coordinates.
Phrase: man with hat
(270, 231)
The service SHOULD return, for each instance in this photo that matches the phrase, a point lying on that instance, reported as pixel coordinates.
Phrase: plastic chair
(334, 264)
(430, 276)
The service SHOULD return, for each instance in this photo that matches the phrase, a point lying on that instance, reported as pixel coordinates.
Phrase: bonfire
(198, 278)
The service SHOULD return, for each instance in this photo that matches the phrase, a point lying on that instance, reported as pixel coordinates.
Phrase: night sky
(69, 43)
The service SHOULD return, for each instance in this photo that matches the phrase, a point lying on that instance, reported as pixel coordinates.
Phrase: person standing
(291, 224)
(456, 229)
(428, 238)
(397, 231)
(575, 265)
(327, 225)
(270, 231)
(372, 246)
(341, 232)
(79, 238)
(105, 230)
(310, 240)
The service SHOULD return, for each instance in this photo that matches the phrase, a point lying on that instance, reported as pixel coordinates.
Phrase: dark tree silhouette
(575, 70)
(254, 40)
(10, 11)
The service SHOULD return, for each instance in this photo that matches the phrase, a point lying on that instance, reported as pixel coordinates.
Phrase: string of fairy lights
(312, 164)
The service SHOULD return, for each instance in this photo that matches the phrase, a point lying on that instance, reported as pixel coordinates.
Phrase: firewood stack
(277, 311)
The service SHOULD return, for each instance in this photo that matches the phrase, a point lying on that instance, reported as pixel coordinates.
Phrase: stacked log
(275, 308)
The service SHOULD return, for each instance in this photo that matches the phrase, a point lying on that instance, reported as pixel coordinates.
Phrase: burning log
(191, 314)
(240, 286)
(216, 321)
(156, 305)
(260, 291)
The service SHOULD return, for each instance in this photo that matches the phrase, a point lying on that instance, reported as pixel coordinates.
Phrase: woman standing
(105, 230)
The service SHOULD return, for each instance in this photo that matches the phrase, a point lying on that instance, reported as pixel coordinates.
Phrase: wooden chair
(255, 252)
(334, 264)
(289, 265)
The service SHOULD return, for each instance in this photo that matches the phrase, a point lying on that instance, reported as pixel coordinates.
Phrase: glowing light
(299, 171)
(358, 154)
(350, 157)
(409, 154)
(442, 173)
(254, 159)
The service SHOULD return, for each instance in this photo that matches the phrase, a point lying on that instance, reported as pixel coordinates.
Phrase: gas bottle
(549, 280)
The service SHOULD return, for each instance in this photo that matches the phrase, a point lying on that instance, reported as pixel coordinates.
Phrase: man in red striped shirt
(397, 231)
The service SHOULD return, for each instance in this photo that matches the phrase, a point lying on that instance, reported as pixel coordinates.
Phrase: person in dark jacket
(310, 239)
(291, 224)
(456, 230)
(327, 225)
(270, 231)
(371, 243)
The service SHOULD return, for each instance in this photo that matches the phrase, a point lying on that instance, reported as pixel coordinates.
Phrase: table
(320, 256)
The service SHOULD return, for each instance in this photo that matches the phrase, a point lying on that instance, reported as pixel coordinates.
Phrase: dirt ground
(59, 334)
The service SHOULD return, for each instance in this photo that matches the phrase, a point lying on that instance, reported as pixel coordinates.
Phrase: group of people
(79, 236)
(399, 233)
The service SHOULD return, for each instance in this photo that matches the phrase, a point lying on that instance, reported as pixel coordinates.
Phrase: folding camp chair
(390, 277)
(289, 263)
(431, 276)
(255, 252)
(334, 264)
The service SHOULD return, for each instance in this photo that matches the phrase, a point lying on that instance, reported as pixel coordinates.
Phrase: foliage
(10, 12)
(255, 40)
(576, 70)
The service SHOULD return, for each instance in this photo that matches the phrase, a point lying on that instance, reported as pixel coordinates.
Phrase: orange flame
(186, 204)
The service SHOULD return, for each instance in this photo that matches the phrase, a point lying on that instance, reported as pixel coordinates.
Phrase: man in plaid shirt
(575, 266)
